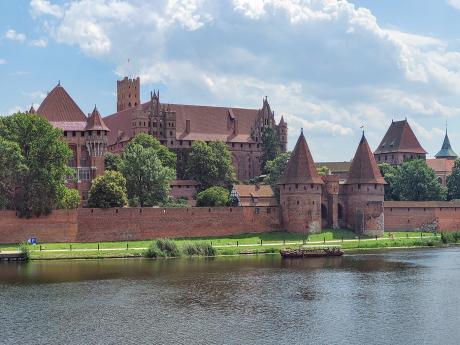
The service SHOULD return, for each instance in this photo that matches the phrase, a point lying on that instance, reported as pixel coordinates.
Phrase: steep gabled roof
(58, 106)
(400, 138)
(301, 167)
(364, 168)
(446, 150)
(95, 122)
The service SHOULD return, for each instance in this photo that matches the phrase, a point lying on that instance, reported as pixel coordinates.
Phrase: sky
(328, 66)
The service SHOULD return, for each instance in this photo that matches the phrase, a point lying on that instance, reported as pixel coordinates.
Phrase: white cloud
(44, 7)
(328, 65)
(2, 61)
(41, 43)
(424, 133)
(454, 3)
(15, 36)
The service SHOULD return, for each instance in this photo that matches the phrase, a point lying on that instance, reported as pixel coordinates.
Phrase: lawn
(228, 245)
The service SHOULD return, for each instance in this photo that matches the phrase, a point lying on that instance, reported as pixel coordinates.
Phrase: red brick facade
(98, 225)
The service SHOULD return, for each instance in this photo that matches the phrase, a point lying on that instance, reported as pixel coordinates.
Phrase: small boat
(311, 252)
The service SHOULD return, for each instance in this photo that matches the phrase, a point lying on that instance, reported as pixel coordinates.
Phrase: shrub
(214, 196)
(168, 247)
(153, 251)
(199, 249)
(24, 249)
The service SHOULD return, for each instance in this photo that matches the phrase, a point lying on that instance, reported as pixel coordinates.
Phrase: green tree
(453, 182)
(275, 169)
(12, 166)
(167, 157)
(214, 196)
(108, 190)
(389, 172)
(270, 146)
(148, 181)
(415, 180)
(210, 165)
(323, 171)
(70, 199)
(45, 156)
(112, 161)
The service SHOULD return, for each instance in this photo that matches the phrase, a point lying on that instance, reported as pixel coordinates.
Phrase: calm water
(399, 297)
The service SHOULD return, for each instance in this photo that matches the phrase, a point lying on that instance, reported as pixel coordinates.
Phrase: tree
(210, 165)
(108, 190)
(389, 172)
(275, 169)
(270, 146)
(453, 182)
(167, 157)
(70, 199)
(44, 156)
(147, 180)
(11, 168)
(214, 196)
(414, 180)
(112, 161)
(323, 171)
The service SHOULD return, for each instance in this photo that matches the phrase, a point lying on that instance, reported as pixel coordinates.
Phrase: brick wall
(59, 226)
(423, 215)
(93, 225)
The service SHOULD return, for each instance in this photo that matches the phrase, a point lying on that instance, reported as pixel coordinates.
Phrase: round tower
(364, 193)
(300, 191)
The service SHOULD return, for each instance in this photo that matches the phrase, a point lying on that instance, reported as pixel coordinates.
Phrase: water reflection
(400, 297)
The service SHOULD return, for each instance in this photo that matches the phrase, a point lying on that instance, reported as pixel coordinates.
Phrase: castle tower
(399, 145)
(364, 193)
(128, 93)
(96, 141)
(282, 134)
(300, 191)
(446, 150)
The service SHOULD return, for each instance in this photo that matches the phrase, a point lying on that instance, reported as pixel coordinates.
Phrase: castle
(177, 126)
(352, 196)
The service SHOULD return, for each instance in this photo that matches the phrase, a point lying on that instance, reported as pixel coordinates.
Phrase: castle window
(74, 134)
(296, 186)
(170, 133)
(98, 132)
(311, 186)
(257, 210)
(257, 145)
(154, 124)
(289, 188)
(241, 145)
(305, 187)
(129, 104)
(297, 202)
(180, 143)
(385, 158)
(65, 133)
(269, 210)
(82, 134)
(375, 186)
(250, 145)
(135, 103)
(233, 144)
(190, 143)
(172, 142)
(359, 186)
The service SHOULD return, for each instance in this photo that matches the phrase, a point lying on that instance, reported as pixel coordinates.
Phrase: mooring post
(237, 243)
(284, 242)
(70, 247)
(98, 246)
(376, 237)
(40, 247)
(260, 241)
(126, 245)
(324, 239)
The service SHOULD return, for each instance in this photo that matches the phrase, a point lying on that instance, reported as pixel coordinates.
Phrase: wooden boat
(311, 252)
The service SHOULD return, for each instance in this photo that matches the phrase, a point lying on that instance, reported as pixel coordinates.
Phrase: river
(387, 297)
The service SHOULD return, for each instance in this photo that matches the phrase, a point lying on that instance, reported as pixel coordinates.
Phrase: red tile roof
(95, 122)
(58, 106)
(364, 168)
(183, 183)
(301, 167)
(441, 165)
(207, 123)
(69, 126)
(400, 138)
(250, 190)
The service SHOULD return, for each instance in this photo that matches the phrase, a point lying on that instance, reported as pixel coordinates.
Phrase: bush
(214, 196)
(450, 237)
(70, 199)
(199, 249)
(153, 251)
(168, 247)
(24, 249)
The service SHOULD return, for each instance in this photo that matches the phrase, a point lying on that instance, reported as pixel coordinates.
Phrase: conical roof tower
(95, 122)
(446, 150)
(301, 167)
(364, 168)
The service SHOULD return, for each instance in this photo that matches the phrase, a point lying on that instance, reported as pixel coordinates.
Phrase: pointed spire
(95, 122)
(364, 168)
(446, 149)
(301, 167)
(32, 109)
(282, 121)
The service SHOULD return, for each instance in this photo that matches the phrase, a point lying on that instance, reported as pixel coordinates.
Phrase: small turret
(96, 141)
(446, 150)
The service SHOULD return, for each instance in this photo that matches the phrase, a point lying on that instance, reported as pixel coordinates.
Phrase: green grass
(227, 245)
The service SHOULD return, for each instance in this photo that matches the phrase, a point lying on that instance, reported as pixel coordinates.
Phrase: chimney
(187, 126)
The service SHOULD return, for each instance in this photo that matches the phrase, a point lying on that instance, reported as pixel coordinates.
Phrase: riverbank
(263, 243)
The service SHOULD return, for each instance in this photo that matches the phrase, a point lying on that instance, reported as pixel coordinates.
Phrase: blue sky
(327, 66)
